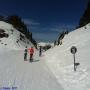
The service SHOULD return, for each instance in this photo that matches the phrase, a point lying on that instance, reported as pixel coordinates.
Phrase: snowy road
(14, 72)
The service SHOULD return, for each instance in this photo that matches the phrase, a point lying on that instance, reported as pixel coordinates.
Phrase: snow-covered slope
(23, 75)
(60, 60)
(17, 74)
(13, 41)
(45, 43)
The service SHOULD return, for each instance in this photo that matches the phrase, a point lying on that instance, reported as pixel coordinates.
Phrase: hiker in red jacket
(31, 51)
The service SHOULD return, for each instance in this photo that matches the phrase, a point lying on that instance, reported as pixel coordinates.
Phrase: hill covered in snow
(10, 38)
(17, 74)
(60, 60)
(54, 70)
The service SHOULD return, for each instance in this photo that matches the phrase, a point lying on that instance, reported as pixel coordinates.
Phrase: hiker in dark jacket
(40, 51)
(25, 54)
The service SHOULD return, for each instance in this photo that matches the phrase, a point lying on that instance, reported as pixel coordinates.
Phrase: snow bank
(60, 60)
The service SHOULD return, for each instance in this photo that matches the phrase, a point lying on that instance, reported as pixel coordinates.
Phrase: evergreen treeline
(85, 18)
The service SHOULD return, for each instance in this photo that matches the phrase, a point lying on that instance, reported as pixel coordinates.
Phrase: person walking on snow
(31, 51)
(25, 54)
(40, 51)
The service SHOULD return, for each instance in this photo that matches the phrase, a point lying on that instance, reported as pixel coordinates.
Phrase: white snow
(52, 71)
(45, 43)
(60, 60)
(11, 40)
(17, 74)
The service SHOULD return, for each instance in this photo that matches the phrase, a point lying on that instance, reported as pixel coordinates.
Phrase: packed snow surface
(24, 75)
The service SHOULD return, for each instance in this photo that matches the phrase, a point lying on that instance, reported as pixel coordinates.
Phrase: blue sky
(45, 18)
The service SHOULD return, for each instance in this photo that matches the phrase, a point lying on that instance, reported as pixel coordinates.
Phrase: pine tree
(85, 18)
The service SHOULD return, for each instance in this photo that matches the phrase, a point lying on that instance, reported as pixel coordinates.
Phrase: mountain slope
(60, 60)
(13, 40)
(17, 74)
